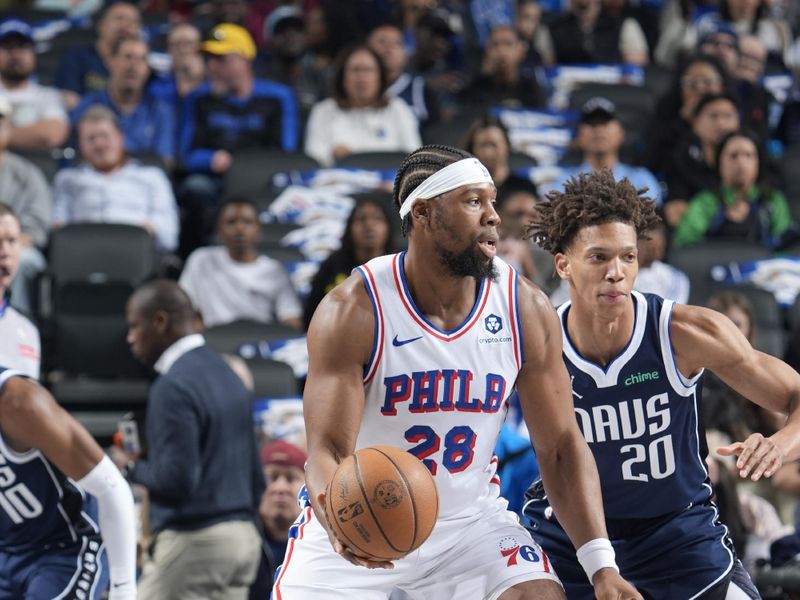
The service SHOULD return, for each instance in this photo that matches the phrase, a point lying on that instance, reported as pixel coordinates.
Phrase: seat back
(768, 320)
(101, 252)
(90, 329)
(230, 337)
(272, 379)
(93, 270)
(252, 171)
(697, 261)
(372, 160)
(45, 161)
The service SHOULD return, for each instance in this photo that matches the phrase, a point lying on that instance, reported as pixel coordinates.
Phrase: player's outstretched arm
(340, 340)
(31, 418)
(568, 469)
(704, 338)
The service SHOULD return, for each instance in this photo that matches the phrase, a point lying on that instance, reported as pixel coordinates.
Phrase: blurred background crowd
(246, 149)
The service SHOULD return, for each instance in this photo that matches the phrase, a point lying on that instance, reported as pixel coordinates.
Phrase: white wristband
(595, 555)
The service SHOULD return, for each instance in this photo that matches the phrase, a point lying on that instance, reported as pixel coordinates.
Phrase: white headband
(463, 172)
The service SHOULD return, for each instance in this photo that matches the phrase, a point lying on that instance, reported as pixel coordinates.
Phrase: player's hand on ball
(757, 456)
(609, 585)
(344, 551)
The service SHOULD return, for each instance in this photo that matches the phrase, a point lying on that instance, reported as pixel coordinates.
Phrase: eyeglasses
(700, 83)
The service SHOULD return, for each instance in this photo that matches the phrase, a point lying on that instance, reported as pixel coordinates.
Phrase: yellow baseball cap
(228, 38)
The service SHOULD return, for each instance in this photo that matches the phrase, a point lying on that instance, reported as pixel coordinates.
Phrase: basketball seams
(375, 519)
(410, 494)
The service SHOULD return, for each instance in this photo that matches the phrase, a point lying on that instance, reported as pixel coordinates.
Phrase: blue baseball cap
(15, 28)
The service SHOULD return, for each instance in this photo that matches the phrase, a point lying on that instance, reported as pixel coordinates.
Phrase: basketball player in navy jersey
(50, 528)
(420, 350)
(635, 361)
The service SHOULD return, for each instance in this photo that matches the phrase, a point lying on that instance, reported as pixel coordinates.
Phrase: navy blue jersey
(640, 417)
(39, 506)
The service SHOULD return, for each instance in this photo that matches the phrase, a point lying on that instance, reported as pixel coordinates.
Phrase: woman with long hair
(360, 117)
(367, 234)
(744, 206)
(487, 138)
(698, 76)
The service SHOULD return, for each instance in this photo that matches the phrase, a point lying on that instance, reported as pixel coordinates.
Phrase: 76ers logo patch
(510, 548)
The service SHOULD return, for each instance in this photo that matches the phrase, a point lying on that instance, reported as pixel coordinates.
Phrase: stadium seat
(93, 270)
(229, 338)
(252, 171)
(658, 79)
(452, 132)
(273, 233)
(625, 97)
(768, 319)
(372, 160)
(46, 161)
(284, 254)
(101, 252)
(272, 379)
(698, 259)
(519, 161)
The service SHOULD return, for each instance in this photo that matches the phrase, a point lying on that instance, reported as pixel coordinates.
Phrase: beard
(470, 262)
(15, 75)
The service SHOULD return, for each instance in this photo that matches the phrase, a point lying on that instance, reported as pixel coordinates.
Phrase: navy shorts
(68, 572)
(680, 556)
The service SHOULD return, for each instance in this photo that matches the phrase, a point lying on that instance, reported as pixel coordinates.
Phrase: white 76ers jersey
(442, 395)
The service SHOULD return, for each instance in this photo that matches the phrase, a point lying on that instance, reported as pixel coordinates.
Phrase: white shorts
(474, 558)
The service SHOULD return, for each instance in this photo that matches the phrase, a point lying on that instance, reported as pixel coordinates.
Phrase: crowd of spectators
(149, 113)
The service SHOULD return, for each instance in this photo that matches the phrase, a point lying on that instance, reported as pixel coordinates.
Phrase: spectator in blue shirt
(83, 69)
(599, 137)
(147, 122)
(233, 111)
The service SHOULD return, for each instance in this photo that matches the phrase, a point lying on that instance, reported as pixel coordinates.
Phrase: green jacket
(705, 214)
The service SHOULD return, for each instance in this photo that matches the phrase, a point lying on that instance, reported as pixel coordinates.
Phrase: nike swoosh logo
(396, 342)
(116, 585)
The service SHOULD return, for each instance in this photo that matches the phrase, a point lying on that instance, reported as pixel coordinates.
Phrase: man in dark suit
(202, 469)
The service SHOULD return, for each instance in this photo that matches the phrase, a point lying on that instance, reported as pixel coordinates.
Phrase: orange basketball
(382, 502)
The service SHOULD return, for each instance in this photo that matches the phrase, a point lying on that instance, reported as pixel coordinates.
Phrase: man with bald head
(202, 469)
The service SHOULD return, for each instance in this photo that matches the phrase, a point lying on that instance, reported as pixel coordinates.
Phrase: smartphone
(129, 432)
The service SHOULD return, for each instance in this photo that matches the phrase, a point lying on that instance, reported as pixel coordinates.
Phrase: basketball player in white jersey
(420, 350)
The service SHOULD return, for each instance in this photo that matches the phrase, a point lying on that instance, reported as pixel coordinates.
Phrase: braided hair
(417, 167)
(588, 199)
